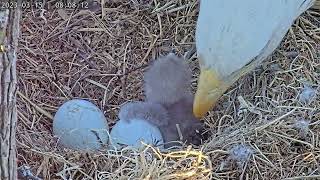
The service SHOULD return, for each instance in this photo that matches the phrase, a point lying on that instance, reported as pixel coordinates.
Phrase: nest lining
(66, 54)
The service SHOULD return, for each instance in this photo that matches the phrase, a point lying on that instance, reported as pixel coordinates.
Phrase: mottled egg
(80, 125)
(133, 132)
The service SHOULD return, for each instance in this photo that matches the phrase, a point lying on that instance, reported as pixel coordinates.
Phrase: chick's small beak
(206, 95)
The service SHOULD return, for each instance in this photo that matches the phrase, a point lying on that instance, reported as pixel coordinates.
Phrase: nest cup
(100, 56)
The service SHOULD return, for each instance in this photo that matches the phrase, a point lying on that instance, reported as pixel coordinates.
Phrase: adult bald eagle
(233, 36)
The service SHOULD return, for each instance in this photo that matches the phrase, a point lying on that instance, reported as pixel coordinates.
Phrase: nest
(260, 128)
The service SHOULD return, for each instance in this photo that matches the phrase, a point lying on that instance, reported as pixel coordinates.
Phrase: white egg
(81, 125)
(133, 132)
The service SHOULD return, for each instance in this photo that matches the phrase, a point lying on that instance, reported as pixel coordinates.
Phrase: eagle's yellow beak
(210, 89)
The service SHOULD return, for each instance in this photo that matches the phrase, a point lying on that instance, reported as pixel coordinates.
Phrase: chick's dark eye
(196, 140)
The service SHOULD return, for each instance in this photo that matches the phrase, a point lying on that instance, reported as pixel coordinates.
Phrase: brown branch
(9, 33)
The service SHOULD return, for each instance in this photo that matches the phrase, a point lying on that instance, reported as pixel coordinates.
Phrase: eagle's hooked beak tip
(204, 100)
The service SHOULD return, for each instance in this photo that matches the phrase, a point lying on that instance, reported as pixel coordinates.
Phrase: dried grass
(100, 56)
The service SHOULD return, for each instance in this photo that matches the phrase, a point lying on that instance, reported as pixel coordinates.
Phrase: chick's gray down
(167, 82)
(151, 112)
(157, 115)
